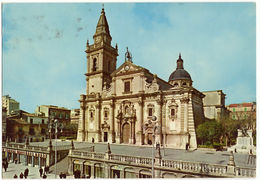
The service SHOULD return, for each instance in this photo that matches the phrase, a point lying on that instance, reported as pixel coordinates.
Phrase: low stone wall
(195, 168)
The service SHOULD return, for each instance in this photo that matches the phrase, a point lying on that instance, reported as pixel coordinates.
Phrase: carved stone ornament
(126, 110)
(153, 86)
(105, 125)
(185, 100)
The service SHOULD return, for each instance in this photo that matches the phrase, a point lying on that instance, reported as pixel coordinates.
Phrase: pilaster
(141, 106)
(98, 120)
(112, 106)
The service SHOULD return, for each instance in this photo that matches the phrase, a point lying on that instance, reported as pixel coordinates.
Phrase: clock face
(126, 67)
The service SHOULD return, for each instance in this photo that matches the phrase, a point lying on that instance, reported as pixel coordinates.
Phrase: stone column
(141, 106)
(184, 114)
(121, 173)
(132, 138)
(160, 103)
(98, 118)
(112, 105)
(92, 171)
(39, 161)
(81, 129)
(26, 160)
(118, 131)
(81, 167)
(164, 123)
(12, 157)
(33, 161)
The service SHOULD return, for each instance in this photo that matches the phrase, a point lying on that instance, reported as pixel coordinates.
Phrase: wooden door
(126, 133)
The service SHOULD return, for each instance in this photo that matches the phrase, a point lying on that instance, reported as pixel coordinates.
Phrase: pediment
(127, 68)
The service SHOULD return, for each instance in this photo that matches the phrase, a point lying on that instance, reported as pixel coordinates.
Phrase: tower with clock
(101, 57)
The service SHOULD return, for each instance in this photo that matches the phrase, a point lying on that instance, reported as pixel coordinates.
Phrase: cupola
(180, 77)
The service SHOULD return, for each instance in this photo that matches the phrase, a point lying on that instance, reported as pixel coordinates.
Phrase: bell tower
(101, 57)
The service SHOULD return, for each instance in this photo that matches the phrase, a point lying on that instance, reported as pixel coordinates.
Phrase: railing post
(231, 165)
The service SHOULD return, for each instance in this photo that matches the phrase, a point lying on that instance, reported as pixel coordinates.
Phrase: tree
(229, 129)
(209, 132)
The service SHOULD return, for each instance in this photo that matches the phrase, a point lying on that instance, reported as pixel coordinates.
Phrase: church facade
(130, 105)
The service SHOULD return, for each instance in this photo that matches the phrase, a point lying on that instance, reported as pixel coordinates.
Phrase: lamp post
(57, 126)
(155, 127)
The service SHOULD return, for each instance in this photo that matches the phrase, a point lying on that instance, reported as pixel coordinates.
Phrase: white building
(11, 105)
(123, 105)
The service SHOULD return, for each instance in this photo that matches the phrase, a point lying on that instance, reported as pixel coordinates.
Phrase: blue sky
(43, 46)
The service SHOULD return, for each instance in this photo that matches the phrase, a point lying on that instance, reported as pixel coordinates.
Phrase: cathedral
(131, 105)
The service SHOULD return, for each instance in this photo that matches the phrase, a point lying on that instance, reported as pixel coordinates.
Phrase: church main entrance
(126, 133)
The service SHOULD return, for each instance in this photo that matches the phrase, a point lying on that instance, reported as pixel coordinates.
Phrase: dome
(179, 73)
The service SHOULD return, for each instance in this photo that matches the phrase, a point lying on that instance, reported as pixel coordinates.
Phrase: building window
(43, 131)
(31, 121)
(31, 131)
(42, 121)
(172, 112)
(91, 114)
(127, 86)
(105, 114)
(94, 64)
(150, 111)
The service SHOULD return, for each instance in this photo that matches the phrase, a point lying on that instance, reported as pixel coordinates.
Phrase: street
(33, 172)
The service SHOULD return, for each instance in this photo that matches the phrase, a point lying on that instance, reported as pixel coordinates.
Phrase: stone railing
(195, 167)
(92, 155)
(184, 166)
(131, 159)
(245, 172)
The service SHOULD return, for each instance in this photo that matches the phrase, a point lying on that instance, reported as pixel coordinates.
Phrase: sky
(43, 44)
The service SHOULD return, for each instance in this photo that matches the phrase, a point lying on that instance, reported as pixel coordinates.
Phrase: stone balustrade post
(231, 165)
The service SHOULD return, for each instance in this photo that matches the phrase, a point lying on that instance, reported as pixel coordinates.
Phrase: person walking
(26, 172)
(15, 176)
(5, 166)
(46, 169)
(21, 175)
(41, 171)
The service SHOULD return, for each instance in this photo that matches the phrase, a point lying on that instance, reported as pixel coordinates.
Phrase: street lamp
(155, 128)
(57, 126)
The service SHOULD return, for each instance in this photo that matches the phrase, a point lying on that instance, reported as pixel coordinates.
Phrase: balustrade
(198, 167)
(245, 172)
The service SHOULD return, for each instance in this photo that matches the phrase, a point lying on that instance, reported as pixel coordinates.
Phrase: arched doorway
(126, 133)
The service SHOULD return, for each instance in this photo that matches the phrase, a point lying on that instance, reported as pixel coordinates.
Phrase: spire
(179, 62)
(102, 25)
